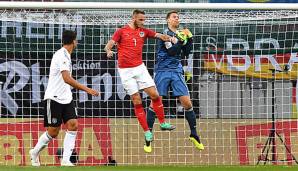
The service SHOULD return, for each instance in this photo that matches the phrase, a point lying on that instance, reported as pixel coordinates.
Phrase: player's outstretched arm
(75, 84)
(163, 37)
(108, 48)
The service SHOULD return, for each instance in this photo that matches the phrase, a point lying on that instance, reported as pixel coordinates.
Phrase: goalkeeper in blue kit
(169, 74)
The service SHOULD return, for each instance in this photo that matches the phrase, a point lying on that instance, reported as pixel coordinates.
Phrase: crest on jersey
(142, 34)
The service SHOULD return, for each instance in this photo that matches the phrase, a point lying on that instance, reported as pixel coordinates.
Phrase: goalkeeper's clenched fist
(184, 35)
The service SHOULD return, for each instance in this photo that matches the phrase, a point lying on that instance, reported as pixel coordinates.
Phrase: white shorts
(135, 79)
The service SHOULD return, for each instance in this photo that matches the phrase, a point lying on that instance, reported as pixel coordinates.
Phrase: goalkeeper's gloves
(183, 35)
(187, 75)
(187, 33)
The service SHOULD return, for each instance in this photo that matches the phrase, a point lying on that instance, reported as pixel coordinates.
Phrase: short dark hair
(137, 11)
(68, 36)
(171, 12)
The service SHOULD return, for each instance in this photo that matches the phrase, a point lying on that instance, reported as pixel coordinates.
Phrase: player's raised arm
(108, 48)
(153, 34)
(163, 37)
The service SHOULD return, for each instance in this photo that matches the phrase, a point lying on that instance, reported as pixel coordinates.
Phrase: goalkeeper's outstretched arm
(108, 48)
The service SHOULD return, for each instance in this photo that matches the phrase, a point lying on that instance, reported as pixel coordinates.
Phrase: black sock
(190, 116)
(150, 118)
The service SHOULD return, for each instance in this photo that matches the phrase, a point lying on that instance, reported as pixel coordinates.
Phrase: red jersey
(130, 45)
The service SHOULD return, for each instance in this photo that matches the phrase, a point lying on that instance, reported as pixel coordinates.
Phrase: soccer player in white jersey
(59, 103)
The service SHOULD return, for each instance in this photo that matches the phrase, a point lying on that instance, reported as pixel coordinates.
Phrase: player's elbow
(66, 77)
(67, 81)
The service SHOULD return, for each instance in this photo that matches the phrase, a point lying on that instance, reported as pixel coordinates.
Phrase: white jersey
(57, 89)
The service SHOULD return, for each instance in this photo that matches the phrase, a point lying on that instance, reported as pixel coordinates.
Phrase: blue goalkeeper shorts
(165, 80)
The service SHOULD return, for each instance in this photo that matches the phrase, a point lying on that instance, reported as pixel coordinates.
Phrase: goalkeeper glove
(187, 33)
(188, 76)
(183, 35)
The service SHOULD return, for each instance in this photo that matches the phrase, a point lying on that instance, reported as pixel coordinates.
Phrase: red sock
(158, 109)
(141, 115)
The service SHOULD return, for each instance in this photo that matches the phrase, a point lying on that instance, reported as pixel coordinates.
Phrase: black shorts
(57, 112)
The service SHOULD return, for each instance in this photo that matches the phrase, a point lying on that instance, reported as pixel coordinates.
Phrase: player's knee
(137, 102)
(53, 132)
(152, 93)
(154, 96)
(187, 105)
(136, 99)
(72, 125)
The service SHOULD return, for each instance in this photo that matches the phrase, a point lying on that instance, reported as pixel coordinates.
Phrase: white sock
(43, 141)
(68, 144)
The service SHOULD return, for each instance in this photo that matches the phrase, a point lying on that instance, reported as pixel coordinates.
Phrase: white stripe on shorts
(49, 115)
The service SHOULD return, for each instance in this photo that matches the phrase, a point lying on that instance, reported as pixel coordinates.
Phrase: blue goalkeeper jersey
(169, 54)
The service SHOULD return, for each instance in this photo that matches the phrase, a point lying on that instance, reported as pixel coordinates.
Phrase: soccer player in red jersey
(133, 73)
